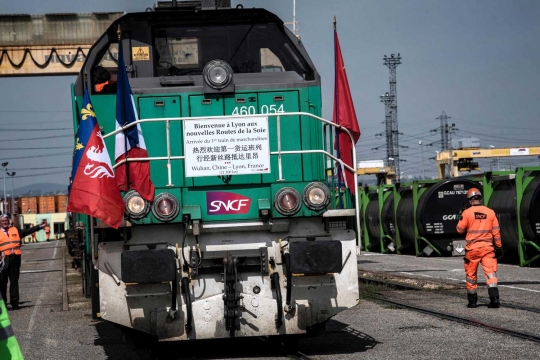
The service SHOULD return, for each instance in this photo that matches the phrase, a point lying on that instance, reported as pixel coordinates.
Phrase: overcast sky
(474, 60)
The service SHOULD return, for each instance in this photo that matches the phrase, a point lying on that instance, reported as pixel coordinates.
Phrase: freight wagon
(420, 218)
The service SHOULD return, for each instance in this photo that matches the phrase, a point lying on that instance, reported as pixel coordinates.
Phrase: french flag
(130, 143)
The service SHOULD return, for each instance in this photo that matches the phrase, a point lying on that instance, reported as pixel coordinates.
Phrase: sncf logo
(221, 203)
(480, 216)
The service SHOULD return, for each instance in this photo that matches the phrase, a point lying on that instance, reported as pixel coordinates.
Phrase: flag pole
(336, 114)
(126, 164)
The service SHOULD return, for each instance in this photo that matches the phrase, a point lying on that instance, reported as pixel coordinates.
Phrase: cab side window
(104, 73)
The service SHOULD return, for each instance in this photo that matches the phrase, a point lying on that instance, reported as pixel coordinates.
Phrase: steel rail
(397, 285)
(458, 319)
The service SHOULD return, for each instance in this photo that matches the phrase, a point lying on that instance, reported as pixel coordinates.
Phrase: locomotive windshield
(247, 48)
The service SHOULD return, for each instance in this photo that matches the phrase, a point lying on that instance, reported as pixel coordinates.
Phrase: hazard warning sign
(140, 53)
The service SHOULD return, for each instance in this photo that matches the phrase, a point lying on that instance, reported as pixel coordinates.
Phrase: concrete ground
(369, 331)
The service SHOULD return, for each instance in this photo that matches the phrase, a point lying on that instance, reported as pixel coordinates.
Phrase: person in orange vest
(484, 246)
(47, 232)
(10, 246)
(102, 80)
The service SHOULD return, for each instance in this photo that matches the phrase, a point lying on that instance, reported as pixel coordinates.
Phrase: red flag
(93, 190)
(345, 116)
(131, 143)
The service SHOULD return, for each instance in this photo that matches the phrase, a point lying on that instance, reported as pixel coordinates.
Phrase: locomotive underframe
(148, 307)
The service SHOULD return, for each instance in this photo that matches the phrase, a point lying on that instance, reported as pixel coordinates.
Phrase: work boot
(494, 298)
(473, 298)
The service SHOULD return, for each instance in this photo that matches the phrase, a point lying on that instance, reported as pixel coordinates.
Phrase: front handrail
(279, 152)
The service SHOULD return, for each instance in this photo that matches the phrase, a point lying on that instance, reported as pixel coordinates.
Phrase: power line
(497, 137)
(36, 156)
(491, 125)
(44, 174)
(49, 129)
(40, 168)
(35, 111)
(39, 148)
(39, 138)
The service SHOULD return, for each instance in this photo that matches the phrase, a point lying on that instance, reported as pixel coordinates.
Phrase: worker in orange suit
(484, 246)
(47, 232)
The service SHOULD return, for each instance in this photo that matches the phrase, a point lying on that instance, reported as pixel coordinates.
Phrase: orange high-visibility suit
(482, 227)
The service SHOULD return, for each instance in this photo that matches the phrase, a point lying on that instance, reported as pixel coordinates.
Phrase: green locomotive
(241, 238)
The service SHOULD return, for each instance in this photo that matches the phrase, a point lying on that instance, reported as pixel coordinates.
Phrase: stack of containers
(46, 204)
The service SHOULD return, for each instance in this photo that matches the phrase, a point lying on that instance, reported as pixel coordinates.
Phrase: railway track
(446, 289)
(447, 316)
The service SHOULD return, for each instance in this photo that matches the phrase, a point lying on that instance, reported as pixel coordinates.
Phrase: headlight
(136, 206)
(287, 201)
(217, 74)
(316, 196)
(165, 207)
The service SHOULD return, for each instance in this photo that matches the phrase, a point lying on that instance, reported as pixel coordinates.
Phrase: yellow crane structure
(463, 159)
(384, 174)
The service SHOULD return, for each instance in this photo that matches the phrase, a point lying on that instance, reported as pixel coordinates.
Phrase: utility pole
(294, 23)
(387, 100)
(392, 62)
(12, 175)
(445, 143)
(4, 207)
(423, 168)
(449, 131)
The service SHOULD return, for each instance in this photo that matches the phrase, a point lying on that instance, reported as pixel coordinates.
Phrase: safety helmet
(473, 192)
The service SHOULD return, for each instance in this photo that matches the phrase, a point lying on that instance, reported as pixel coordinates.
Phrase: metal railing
(279, 152)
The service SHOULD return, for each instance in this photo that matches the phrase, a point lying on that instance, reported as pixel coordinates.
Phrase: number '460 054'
(265, 109)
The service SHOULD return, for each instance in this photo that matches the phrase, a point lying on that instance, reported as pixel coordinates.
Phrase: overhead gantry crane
(385, 174)
(462, 159)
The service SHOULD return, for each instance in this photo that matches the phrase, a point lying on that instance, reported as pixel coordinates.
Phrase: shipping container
(46, 204)
(61, 203)
(466, 143)
(28, 205)
(7, 204)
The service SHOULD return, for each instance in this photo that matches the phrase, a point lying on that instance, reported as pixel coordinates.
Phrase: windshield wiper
(241, 42)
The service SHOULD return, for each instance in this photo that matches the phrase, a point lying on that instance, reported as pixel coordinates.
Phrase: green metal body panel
(296, 133)
(289, 138)
(155, 132)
